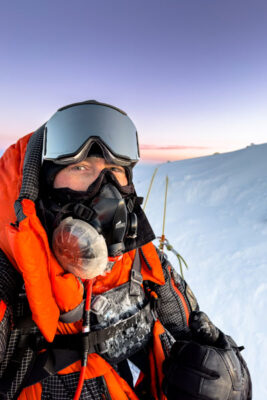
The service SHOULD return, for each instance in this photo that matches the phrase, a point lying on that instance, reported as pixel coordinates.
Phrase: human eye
(117, 169)
(79, 168)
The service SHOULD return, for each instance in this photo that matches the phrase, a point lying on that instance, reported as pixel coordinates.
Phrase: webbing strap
(94, 338)
(50, 362)
(10, 281)
(74, 315)
(136, 278)
(67, 349)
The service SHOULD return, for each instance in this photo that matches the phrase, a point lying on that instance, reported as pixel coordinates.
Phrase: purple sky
(192, 74)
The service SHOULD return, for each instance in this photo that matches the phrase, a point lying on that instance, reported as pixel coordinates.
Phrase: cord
(85, 331)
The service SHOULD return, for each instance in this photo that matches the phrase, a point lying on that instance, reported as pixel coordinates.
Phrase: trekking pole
(162, 239)
(150, 186)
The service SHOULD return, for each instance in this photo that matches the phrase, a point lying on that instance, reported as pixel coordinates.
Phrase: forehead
(94, 159)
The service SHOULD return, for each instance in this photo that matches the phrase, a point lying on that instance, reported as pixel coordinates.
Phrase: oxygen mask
(94, 226)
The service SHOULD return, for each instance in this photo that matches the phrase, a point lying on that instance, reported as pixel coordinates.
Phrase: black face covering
(113, 210)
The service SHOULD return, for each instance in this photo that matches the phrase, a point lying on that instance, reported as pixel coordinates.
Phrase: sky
(190, 73)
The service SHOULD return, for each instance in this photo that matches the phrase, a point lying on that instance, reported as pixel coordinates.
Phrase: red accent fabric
(97, 366)
(2, 309)
(186, 310)
(121, 270)
(117, 387)
(33, 392)
(156, 358)
(140, 379)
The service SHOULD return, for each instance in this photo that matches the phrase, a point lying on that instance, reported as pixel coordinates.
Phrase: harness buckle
(136, 277)
(99, 305)
(83, 212)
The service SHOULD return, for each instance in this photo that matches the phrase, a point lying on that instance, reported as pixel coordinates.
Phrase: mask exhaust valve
(80, 249)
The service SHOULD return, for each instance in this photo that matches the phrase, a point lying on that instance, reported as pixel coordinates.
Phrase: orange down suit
(51, 291)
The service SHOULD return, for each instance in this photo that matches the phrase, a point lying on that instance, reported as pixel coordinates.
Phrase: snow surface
(217, 219)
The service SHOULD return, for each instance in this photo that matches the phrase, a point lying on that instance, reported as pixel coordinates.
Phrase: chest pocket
(117, 306)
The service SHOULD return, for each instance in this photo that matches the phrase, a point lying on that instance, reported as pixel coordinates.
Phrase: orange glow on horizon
(161, 156)
(149, 153)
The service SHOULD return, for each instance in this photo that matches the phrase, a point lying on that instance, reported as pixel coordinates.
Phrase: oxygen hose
(85, 331)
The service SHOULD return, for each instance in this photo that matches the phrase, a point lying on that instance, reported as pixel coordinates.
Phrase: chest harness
(121, 324)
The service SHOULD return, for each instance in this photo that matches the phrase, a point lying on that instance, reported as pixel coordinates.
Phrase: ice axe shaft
(150, 186)
(162, 240)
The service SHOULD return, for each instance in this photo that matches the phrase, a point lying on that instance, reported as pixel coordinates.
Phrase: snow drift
(217, 219)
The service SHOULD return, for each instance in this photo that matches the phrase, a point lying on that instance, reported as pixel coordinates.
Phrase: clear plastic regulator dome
(80, 249)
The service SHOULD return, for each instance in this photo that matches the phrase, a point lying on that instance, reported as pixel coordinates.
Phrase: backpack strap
(136, 278)
(10, 281)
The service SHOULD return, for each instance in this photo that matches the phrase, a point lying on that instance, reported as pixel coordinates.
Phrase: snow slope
(217, 219)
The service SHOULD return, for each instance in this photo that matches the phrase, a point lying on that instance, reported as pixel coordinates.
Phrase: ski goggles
(72, 130)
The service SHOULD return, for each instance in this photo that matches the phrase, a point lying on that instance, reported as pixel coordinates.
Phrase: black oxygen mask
(111, 215)
(113, 212)
(92, 226)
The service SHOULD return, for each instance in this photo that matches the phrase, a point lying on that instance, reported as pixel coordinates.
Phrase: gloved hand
(202, 328)
(196, 370)
(205, 332)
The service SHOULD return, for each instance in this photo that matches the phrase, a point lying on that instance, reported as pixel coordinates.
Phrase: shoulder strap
(10, 280)
(136, 278)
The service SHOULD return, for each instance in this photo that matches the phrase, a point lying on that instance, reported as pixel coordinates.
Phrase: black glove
(197, 371)
(203, 330)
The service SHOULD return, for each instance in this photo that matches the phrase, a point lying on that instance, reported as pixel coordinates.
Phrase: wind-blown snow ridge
(217, 219)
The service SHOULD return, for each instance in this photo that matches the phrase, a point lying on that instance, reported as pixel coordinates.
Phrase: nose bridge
(104, 164)
(100, 167)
